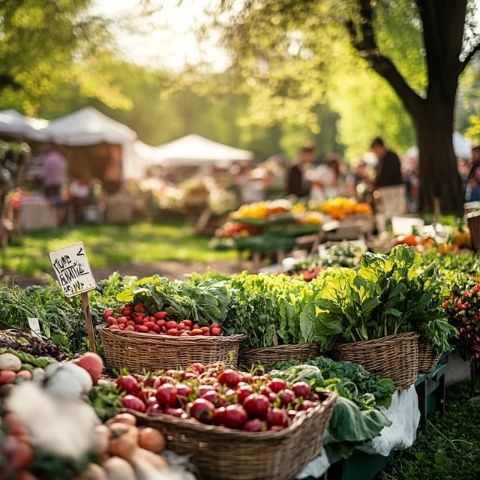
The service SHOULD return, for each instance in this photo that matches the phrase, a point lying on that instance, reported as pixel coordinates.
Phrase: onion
(9, 361)
(118, 469)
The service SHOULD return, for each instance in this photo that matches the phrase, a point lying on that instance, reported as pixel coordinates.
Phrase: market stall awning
(194, 150)
(88, 127)
(14, 124)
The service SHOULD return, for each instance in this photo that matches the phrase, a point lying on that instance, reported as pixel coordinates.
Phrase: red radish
(183, 390)
(286, 396)
(272, 397)
(108, 312)
(170, 324)
(156, 329)
(243, 392)
(190, 375)
(127, 384)
(229, 377)
(161, 323)
(301, 389)
(205, 330)
(265, 391)
(133, 403)
(206, 334)
(149, 325)
(7, 376)
(202, 410)
(166, 394)
(186, 328)
(143, 329)
(196, 325)
(246, 377)
(211, 396)
(126, 311)
(139, 308)
(202, 389)
(121, 327)
(173, 332)
(235, 416)
(196, 331)
(256, 405)
(254, 425)
(277, 417)
(150, 400)
(215, 332)
(180, 327)
(277, 384)
(214, 325)
(160, 315)
(219, 416)
(111, 321)
(113, 327)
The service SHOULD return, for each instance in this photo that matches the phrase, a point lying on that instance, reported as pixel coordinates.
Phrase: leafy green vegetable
(105, 400)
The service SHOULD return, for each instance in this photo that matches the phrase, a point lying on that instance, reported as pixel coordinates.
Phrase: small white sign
(73, 270)
(34, 325)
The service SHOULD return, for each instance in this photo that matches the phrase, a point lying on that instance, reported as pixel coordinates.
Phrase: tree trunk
(439, 178)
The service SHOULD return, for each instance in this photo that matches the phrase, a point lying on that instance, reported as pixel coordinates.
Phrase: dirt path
(167, 269)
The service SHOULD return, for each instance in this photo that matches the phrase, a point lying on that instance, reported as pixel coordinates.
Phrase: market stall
(237, 371)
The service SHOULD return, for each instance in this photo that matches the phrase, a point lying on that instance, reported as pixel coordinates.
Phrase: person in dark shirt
(297, 184)
(389, 171)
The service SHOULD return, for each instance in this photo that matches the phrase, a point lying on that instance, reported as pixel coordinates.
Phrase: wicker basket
(427, 357)
(141, 352)
(268, 356)
(223, 454)
(394, 356)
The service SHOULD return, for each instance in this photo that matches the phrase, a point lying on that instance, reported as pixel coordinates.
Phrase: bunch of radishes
(135, 318)
(219, 396)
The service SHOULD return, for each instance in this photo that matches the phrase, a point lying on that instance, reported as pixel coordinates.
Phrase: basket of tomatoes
(142, 341)
(230, 423)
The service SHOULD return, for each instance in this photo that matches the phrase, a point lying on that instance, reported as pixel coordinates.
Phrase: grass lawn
(112, 245)
(449, 449)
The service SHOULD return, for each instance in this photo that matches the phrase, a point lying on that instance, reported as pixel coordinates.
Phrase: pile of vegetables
(357, 417)
(464, 314)
(219, 396)
(135, 318)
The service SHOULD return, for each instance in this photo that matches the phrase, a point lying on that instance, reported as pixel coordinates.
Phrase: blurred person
(325, 179)
(390, 197)
(472, 193)
(251, 184)
(389, 172)
(297, 183)
(54, 174)
(363, 181)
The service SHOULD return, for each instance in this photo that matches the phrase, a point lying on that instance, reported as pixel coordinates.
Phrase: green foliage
(106, 400)
(388, 294)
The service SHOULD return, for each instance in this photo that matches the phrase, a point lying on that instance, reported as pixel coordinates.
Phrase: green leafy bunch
(387, 294)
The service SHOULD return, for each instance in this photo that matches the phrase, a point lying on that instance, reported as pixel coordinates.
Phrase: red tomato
(202, 410)
(166, 394)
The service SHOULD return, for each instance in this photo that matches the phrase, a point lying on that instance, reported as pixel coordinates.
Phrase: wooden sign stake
(88, 322)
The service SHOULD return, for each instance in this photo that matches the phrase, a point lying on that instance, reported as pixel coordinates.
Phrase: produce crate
(394, 356)
(224, 454)
(268, 356)
(143, 352)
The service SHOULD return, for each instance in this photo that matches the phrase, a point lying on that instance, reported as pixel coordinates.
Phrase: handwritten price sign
(73, 270)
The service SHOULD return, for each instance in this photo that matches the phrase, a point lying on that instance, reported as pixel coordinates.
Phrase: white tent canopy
(88, 126)
(461, 147)
(15, 124)
(194, 150)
